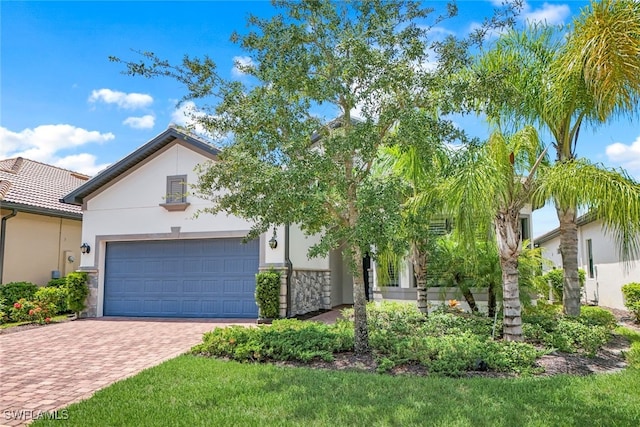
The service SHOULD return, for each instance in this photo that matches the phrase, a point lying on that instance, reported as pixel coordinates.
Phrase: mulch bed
(608, 360)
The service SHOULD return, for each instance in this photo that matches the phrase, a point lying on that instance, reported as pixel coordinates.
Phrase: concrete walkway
(50, 367)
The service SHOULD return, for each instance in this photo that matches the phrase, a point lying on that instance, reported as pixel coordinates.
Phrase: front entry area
(199, 278)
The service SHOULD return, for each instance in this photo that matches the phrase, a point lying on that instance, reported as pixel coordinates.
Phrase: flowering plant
(32, 311)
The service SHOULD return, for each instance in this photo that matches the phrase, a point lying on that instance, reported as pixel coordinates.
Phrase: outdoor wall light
(273, 242)
(85, 249)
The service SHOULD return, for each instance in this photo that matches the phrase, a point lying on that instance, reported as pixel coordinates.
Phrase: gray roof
(111, 173)
(582, 220)
(35, 187)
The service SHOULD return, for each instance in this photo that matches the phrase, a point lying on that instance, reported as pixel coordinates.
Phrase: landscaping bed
(446, 343)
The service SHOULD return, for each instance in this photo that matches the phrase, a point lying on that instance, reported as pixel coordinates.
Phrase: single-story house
(599, 257)
(39, 235)
(149, 254)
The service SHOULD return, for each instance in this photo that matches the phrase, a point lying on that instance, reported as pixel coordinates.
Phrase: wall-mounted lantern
(85, 249)
(273, 242)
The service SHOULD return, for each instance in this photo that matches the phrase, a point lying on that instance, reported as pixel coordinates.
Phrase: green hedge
(268, 294)
(631, 292)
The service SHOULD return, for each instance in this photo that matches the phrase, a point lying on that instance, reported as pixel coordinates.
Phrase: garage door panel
(181, 278)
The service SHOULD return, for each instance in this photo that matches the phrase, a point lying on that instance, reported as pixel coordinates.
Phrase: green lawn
(54, 319)
(196, 391)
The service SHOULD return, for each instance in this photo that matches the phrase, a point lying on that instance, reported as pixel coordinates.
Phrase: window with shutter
(176, 197)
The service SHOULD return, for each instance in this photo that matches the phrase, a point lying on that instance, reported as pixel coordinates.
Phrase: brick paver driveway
(47, 368)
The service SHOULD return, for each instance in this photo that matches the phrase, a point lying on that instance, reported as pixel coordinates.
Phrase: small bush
(3, 311)
(287, 339)
(77, 291)
(597, 316)
(14, 291)
(31, 311)
(57, 283)
(631, 292)
(56, 297)
(556, 277)
(268, 294)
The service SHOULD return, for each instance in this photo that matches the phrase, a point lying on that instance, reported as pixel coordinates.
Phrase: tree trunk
(491, 308)
(569, 253)
(512, 320)
(419, 262)
(469, 298)
(508, 235)
(359, 307)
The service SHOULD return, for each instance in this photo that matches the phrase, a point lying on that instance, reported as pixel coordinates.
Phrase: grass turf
(196, 391)
(54, 319)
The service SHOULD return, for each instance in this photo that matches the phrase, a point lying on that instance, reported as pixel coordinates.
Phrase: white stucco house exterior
(150, 255)
(599, 257)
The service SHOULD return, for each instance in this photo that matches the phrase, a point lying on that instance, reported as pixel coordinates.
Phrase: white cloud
(44, 142)
(187, 115)
(627, 156)
(84, 163)
(241, 61)
(144, 122)
(552, 14)
(129, 101)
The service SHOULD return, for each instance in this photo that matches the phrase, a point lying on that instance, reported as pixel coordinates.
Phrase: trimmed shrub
(3, 311)
(286, 339)
(597, 316)
(77, 291)
(556, 277)
(14, 291)
(631, 292)
(56, 297)
(57, 283)
(268, 294)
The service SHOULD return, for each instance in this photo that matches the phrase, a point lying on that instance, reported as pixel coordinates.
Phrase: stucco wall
(610, 273)
(37, 244)
(131, 205)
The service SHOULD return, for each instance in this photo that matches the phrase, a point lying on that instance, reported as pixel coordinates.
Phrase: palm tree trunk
(359, 307)
(419, 263)
(512, 320)
(508, 235)
(569, 252)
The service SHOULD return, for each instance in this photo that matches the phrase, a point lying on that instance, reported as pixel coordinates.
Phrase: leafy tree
(421, 167)
(281, 163)
(563, 83)
(494, 184)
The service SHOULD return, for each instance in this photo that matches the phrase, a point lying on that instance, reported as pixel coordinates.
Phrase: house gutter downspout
(3, 238)
(287, 262)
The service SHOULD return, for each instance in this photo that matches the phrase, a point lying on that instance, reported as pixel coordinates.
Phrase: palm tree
(495, 182)
(589, 77)
(420, 161)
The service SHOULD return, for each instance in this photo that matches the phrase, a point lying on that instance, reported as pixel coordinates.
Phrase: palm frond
(612, 196)
(604, 51)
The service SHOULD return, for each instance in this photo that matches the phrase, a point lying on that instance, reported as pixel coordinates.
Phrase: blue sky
(63, 103)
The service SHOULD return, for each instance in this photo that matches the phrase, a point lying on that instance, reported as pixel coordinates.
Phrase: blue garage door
(181, 278)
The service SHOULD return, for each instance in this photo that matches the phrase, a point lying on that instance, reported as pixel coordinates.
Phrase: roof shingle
(31, 183)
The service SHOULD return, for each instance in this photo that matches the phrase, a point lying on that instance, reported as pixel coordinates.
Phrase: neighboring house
(598, 255)
(39, 235)
(151, 256)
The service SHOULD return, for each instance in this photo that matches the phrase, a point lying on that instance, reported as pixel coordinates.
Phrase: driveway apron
(50, 367)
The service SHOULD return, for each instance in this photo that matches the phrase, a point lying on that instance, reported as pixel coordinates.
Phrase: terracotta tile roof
(38, 185)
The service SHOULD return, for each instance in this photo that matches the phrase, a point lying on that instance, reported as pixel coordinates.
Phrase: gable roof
(111, 173)
(34, 187)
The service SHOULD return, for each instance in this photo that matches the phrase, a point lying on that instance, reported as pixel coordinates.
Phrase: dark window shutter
(177, 189)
